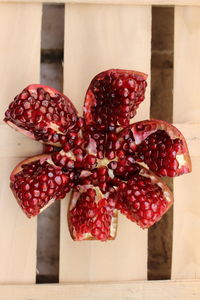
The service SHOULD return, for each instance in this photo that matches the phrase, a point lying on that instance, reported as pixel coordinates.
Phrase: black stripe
(51, 55)
(48, 230)
(160, 235)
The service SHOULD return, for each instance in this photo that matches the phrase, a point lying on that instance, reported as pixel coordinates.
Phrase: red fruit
(113, 97)
(36, 183)
(42, 113)
(144, 198)
(160, 145)
(100, 156)
(92, 215)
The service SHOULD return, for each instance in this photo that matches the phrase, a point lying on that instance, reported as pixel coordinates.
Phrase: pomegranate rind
(143, 129)
(88, 236)
(167, 195)
(90, 99)
(19, 126)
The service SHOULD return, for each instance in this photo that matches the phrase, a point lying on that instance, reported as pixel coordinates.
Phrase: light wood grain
(20, 26)
(186, 246)
(117, 2)
(15, 144)
(145, 290)
(98, 38)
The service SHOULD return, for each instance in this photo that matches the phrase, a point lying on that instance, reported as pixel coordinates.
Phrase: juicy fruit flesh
(45, 117)
(116, 96)
(111, 101)
(38, 183)
(158, 144)
(98, 157)
(159, 152)
(142, 201)
(92, 215)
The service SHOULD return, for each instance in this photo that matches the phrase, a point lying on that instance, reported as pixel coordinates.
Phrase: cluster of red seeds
(141, 201)
(92, 215)
(36, 183)
(159, 152)
(35, 111)
(99, 177)
(117, 98)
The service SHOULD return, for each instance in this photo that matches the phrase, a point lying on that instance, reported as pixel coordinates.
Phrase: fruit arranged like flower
(110, 164)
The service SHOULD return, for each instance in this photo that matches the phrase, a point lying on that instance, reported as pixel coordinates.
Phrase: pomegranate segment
(144, 198)
(92, 215)
(113, 97)
(36, 183)
(158, 144)
(42, 113)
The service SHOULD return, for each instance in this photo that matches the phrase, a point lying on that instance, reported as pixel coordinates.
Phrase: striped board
(98, 36)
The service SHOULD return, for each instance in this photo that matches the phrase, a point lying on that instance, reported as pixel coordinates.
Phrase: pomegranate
(92, 214)
(36, 183)
(42, 113)
(100, 157)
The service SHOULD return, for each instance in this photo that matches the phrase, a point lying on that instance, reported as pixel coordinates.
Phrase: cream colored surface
(116, 2)
(15, 144)
(98, 38)
(186, 245)
(101, 37)
(144, 290)
(19, 65)
(187, 65)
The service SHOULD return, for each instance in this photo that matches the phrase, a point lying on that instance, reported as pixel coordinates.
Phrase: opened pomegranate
(42, 113)
(101, 156)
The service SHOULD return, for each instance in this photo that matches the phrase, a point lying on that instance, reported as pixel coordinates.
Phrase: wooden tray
(97, 37)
